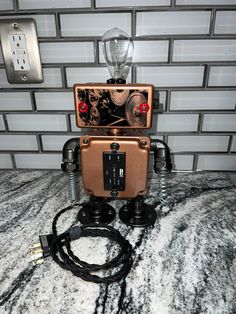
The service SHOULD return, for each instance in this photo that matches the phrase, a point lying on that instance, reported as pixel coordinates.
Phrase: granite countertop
(184, 264)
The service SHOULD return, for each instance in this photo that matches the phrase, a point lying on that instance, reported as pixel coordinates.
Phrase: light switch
(20, 50)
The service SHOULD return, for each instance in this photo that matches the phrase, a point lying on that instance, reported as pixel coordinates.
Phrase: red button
(143, 108)
(83, 107)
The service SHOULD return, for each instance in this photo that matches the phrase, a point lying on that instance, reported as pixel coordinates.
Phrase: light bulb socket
(116, 81)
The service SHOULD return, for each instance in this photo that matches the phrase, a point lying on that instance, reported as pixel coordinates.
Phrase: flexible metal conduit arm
(162, 166)
(70, 165)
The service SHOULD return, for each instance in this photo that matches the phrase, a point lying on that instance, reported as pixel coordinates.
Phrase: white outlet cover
(20, 49)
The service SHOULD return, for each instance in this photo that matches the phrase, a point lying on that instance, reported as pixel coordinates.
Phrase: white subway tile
(53, 4)
(63, 52)
(2, 127)
(150, 51)
(130, 3)
(5, 161)
(52, 78)
(18, 142)
(94, 24)
(177, 122)
(171, 75)
(36, 122)
(86, 75)
(38, 161)
(219, 122)
(54, 101)
(225, 22)
(145, 51)
(198, 143)
(222, 76)
(204, 50)
(6, 5)
(74, 127)
(234, 144)
(45, 23)
(182, 162)
(217, 162)
(203, 100)
(162, 23)
(15, 101)
(205, 2)
(54, 142)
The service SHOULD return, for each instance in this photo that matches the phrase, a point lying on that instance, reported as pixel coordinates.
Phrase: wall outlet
(20, 49)
(19, 52)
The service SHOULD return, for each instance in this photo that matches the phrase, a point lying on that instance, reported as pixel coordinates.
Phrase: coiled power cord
(59, 247)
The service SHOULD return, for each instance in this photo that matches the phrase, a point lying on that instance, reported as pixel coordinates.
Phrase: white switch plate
(20, 50)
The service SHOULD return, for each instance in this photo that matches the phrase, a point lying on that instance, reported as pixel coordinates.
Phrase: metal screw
(114, 146)
(143, 144)
(15, 25)
(114, 193)
(24, 77)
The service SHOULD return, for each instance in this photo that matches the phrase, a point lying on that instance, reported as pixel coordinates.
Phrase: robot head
(114, 105)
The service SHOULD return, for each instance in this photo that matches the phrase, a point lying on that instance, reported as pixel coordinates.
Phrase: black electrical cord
(62, 254)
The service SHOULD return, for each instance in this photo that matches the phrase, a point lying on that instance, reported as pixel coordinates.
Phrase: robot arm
(162, 167)
(70, 165)
(162, 161)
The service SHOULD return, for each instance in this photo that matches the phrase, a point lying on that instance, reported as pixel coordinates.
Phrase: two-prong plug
(40, 250)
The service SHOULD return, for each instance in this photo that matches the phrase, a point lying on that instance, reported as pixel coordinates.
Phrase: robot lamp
(114, 105)
(114, 151)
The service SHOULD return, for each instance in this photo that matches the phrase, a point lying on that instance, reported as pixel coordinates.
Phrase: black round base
(141, 218)
(96, 213)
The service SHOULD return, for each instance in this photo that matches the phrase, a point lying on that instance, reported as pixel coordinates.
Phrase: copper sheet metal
(137, 157)
(114, 104)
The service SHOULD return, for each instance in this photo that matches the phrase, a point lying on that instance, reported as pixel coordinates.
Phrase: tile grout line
(200, 123)
(15, 5)
(195, 162)
(230, 144)
(212, 23)
(33, 101)
(40, 143)
(13, 161)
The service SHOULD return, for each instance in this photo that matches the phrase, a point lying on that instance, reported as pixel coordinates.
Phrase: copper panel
(113, 106)
(137, 157)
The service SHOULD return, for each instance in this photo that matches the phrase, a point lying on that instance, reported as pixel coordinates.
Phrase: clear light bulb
(118, 52)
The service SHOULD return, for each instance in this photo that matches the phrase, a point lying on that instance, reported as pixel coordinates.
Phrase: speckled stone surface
(186, 263)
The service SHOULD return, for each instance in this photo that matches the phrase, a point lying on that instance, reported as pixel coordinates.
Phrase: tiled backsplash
(186, 48)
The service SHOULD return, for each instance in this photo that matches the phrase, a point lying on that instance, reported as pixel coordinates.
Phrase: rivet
(85, 141)
(143, 143)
